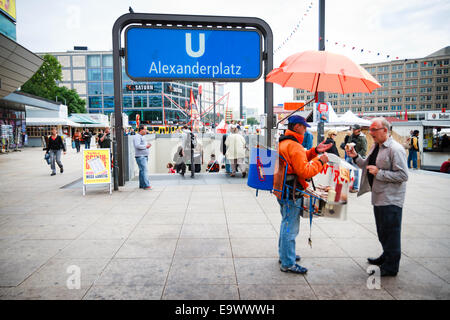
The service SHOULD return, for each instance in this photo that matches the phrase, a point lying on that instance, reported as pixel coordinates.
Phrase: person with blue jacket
(307, 140)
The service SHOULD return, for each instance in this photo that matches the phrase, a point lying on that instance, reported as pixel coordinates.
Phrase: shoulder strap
(288, 137)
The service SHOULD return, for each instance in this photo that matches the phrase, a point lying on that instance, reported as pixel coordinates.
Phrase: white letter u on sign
(201, 49)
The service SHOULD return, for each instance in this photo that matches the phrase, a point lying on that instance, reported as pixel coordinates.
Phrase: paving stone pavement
(208, 238)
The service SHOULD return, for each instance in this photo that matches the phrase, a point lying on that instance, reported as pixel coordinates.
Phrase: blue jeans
(143, 172)
(290, 225)
(389, 223)
(55, 155)
(412, 156)
(77, 145)
(356, 171)
(87, 144)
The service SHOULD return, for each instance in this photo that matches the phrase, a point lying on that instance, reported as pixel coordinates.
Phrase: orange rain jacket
(304, 163)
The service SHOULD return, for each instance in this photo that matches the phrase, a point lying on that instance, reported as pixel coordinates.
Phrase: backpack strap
(288, 137)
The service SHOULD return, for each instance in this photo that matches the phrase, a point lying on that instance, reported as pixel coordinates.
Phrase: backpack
(411, 143)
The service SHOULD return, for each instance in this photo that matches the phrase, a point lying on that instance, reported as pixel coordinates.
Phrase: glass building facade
(91, 75)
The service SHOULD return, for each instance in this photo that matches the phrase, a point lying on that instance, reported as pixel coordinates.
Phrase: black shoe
(61, 170)
(384, 273)
(297, 258)
(375, 261)
(295, 269)
(244, 174)
(53, 174)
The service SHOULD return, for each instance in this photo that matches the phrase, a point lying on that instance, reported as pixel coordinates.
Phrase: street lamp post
(65, 102)
(240, 101)
(321, 95)
(214, 104)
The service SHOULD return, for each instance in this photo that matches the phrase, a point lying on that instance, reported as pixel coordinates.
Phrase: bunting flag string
(378, 53)
(294, 30)
(360, 49)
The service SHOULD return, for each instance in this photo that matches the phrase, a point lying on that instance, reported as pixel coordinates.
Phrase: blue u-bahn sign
(153, 54)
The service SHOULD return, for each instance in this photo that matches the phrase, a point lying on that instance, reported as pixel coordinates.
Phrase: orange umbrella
(321, 71)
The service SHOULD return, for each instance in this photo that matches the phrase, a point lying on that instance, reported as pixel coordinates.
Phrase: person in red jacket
(445, 167)
(54, 146)
(302, 165)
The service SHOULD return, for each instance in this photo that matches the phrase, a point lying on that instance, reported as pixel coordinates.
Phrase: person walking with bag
(77, 139)
(413, 149)
(54, 147)
(87, 138)
(236, 151)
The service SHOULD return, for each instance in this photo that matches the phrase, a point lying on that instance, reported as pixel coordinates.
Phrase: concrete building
(416, 86)
(251, 113)
(90, 73)
(17, 65)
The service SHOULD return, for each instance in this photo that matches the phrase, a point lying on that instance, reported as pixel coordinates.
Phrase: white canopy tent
(332, 116)
(341, 123)
(349, 118)
(50, 122)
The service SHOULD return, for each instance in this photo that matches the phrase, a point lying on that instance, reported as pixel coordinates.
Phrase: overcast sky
(399, 28)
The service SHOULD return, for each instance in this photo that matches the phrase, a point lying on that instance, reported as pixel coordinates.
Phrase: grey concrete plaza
(207, 238)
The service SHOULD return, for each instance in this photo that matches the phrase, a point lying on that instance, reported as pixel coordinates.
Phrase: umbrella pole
(295, 111)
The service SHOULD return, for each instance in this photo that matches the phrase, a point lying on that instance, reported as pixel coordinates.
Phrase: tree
(251, 121)
(74, 103)
(44, 84)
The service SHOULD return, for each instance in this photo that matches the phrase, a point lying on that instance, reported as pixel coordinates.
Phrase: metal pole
(65, 101)
(115, 165)
(200, 104)
(214, 104)
(118, 52)
(321, 95)
(240, 101)
(268, 86)
(192, 152)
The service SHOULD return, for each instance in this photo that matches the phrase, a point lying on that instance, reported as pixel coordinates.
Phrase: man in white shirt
(141, 153)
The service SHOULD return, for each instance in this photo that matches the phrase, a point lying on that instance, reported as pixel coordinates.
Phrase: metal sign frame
(153, 79)
(183, 22)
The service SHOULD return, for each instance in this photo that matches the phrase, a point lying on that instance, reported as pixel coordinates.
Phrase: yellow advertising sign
(9, 7)
(96, 166)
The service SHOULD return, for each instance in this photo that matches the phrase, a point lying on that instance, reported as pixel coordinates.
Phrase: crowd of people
(55, 145)
(384, 173)
(234, 156)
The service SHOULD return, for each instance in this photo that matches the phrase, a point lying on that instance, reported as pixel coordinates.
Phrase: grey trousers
(235, 163)
(55, 155)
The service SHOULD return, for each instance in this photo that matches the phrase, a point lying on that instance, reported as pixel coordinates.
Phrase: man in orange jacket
(303, 165)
